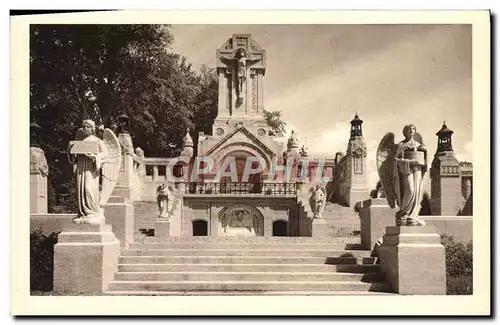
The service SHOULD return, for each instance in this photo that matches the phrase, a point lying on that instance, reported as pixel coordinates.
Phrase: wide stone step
(254, 286)
(247, 267)
(245, 293)
(249, 240)
(245, 276)
(246, 252)
(247, 246)
(246, 259)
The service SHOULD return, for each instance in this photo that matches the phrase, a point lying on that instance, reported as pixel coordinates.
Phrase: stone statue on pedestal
(93, 158)
(401, 168)
(164, 198)
(317, 201)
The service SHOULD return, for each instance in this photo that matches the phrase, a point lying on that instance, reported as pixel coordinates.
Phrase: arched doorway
(200, 228)
(280, 228)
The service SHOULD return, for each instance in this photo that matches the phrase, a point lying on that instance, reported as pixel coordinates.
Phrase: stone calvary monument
(246, 213)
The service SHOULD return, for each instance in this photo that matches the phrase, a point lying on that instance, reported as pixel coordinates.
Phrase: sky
(320, 76)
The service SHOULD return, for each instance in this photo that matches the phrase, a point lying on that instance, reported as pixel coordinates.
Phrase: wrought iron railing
(276, 189)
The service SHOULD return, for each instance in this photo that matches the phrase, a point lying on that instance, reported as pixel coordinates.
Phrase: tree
(274, 120)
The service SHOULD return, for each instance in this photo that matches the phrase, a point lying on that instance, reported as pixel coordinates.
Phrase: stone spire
(293, 142)
(187, 145)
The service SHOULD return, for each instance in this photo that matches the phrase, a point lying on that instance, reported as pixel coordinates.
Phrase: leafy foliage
(459, 266)
(42, 260)
(102, 71)
(303, 151)
(274, 120)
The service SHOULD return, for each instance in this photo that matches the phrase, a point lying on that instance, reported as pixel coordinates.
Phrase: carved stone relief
(241, 221)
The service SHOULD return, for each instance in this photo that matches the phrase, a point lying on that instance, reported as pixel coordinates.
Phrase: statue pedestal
(162, 227)
(376, 215)
(85, 258)
(119, 212)
(320, 228)
(413, 260)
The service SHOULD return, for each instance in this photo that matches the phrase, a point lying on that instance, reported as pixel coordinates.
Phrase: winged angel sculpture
(164, 199)
(242, 62)
(401, 168)
(92, 158)
(317, 200)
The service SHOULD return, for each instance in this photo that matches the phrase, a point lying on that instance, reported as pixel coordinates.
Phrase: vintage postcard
(251, 163)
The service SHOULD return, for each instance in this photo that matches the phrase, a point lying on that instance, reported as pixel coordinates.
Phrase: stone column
(38, 181)
(376, 215)
(413, 260)
(85, 258)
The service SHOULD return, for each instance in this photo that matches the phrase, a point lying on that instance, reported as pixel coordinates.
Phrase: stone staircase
(342, 220)
(247, 266)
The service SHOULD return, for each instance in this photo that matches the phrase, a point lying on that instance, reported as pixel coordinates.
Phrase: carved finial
(187, 141)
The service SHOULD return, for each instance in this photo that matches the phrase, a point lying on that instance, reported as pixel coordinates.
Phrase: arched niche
(241, 220)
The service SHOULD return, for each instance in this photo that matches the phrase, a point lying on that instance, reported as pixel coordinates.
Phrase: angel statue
(164, 198)
(92, 158)
(317, 200)
(242, 62)
(401, 168)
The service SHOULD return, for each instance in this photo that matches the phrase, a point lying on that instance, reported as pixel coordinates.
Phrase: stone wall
(459, 227)
(49, 223)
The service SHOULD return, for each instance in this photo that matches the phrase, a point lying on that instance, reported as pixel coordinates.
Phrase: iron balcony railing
(276, 189)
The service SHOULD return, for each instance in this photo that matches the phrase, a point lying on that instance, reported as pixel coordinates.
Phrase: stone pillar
(162, 227)
(376, 215)
(213, 229)
(126, 184)
(85, 258)
(413, 260)
(446, 185)
(268, 222)
(119, 212)
(38, 181)
(320, 228)
(359, 190)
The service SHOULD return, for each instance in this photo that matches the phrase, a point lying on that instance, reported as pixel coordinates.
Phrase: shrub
(458, 266)
(42, 260)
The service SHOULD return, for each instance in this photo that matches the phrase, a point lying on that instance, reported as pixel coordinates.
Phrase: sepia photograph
(293, 158)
